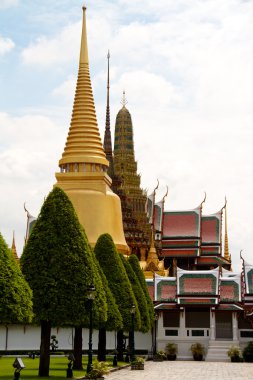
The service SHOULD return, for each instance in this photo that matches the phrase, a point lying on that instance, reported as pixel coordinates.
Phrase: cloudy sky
(186, 67)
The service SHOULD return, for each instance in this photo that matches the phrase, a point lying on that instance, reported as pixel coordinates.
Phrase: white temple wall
(19, 337)
(184, 338)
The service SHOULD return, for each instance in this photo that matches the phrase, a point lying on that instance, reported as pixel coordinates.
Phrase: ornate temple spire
(124, 141)
(83, 166)
(13, 248)
(152, 259)
(226, 249)
(107, 135)
(83, 145)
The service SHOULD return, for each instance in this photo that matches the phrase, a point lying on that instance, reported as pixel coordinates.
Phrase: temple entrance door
(223, 323)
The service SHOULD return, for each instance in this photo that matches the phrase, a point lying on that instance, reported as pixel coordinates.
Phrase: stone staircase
(217, 350)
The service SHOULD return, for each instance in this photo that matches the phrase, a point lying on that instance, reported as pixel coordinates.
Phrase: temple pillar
(182, 329)
(212, 324)
(235, 325)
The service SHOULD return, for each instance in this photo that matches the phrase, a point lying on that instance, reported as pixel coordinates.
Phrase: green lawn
(58, 367)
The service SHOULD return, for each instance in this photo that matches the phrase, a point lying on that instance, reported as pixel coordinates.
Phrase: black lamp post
(155, 332)
(91, 294)
(18, 365)
(132, 311)
(71, 359)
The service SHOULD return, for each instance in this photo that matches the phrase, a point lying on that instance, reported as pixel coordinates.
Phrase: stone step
(217, 350)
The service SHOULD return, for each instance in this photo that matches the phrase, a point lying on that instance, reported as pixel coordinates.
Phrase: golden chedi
(83, 166)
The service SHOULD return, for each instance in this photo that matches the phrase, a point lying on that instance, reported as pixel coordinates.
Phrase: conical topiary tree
(15, 293)
(114, 320)
(134, 262)
(139, 295)
(118, 282)
(98, 280)
(58, 266)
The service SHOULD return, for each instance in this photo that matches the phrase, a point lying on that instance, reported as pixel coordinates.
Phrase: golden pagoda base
(97, 207)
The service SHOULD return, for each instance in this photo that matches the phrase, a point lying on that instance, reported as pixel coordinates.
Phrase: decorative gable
(230, 289)
(248, 276)
(211, 231)
(180, 224)
(197, 283)
(165, 288)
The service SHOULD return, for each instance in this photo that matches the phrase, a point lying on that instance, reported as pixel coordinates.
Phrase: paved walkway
(186, 370)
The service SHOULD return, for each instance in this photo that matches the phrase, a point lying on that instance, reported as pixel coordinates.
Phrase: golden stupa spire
(83, 146)
(13, 248)
(226, 249)
(83, 166)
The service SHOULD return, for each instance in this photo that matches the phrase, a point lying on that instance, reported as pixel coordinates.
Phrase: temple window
(197, 318)
(171, 318)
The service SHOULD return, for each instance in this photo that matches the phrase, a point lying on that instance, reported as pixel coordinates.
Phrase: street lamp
(91, 294)
(71, 359)
(132, 311)
(155, 332)
(18, 365)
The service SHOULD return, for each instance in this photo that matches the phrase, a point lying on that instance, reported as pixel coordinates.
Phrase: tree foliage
(139, 295)
(134, 262)
(117, 278)
(114, 320)
(15, 293)
(58, 265)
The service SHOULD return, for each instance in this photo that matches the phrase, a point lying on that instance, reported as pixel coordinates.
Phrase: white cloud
(8, 3)
(6, 45)
(29, 157)
(66, 89)
(57, 50)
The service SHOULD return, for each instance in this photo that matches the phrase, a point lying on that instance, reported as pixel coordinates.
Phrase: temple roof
(230, 289)
(166, 289)
(197, 283)
(200, 287)
(211, 228)
(181, 223)
(248, 276)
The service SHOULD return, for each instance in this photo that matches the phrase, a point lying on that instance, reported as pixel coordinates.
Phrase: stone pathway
(186, 370)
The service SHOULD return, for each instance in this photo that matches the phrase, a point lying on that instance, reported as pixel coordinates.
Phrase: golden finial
(167, 189)
(157, 185)
(13, 248)
(201, 204)
(84, 44)
(124, 101)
